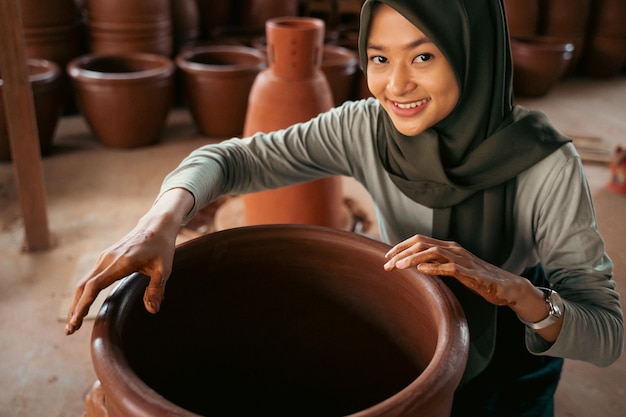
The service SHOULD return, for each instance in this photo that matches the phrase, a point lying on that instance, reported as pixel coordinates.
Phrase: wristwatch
(554, 304)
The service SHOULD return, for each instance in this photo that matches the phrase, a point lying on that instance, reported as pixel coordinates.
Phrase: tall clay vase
(217, 81)
(45, 81)
(292, 89)
(125, 98)
(308, 324)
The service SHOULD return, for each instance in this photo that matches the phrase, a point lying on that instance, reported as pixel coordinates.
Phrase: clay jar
(340, 66)
(45, 80)
(292, 89)
(125, 98)
(539, 63)
(293, 328)
(217, 81)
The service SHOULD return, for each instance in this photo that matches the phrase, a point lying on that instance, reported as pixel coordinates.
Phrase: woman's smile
(409, 108)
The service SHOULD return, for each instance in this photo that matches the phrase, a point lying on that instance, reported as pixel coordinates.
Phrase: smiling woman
(483, 194)
(407, 73)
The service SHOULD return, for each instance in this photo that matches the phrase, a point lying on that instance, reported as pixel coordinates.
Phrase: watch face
(556, 304)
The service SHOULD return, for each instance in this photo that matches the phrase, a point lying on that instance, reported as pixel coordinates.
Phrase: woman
(485, 194)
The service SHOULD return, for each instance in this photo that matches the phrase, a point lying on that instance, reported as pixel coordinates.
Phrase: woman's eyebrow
(410, 45)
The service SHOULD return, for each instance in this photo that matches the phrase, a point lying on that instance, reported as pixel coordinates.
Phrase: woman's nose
(400, 81)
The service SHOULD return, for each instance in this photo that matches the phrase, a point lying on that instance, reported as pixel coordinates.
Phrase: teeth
(411, 105)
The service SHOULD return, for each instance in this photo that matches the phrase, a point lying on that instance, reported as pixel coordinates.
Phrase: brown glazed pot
(522, 16)
(292, 89)
(605, 56)
(217, 81)
(120, 26)
(539, 62)
(608, 18)
(567, 19)
(340, 66)
(45, 80)
(185, 23)
(306, 323)
(125, 98)
(255, 13)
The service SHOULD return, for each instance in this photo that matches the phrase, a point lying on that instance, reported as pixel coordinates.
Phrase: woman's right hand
(148, 249)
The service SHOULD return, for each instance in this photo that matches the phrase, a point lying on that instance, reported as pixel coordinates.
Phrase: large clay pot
(125, 98)
(214, 14)
(307, 323)
(340, 66)
(52, 31)
(568, 19)
(185, 23)
(605, 56)
(523, 17)
(255, 13)
(45, 81)
(120, 26)
(539, 63)
(292, 89)
(217, 81)
(608, 17)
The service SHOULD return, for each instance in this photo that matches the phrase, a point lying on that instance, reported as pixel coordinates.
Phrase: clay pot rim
(51, 30)
(544, 42)
(291, 23)
(185, 63)
(129, 26)
(335, 55)
(51, 71)
(451, 323)
(164, 67)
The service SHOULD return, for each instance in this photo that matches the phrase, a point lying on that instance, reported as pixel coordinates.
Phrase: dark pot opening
(267, 321)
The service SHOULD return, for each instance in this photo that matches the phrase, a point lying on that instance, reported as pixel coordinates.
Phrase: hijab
(465, 166)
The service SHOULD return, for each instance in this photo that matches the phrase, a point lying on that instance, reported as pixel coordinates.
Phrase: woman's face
(407, 73)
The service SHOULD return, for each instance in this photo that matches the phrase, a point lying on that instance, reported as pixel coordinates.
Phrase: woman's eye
(423, 57)
(377, 59)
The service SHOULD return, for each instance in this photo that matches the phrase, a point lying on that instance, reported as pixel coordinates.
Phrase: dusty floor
(96, 194)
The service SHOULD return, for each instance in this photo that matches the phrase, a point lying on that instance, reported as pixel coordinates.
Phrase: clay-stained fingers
(87, 290)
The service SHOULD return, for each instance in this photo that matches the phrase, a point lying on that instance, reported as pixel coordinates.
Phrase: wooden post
(22, 127)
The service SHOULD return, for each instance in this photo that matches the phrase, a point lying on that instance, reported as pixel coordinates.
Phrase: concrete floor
(95, 195)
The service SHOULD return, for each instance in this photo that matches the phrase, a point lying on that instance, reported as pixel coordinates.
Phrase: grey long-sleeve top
(555, 219)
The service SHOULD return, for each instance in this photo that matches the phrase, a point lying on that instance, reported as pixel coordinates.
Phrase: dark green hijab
(465, 166)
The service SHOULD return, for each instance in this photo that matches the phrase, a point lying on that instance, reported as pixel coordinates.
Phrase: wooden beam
(22, 127)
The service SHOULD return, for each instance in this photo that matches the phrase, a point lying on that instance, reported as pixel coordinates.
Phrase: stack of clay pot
(185, 23)
(567, 21)
(605, 50)
(45, 81)
(51, 30)
(130, 26)
(539, 60)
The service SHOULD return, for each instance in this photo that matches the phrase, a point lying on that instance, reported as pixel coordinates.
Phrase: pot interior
(112, 64)
(281, 324)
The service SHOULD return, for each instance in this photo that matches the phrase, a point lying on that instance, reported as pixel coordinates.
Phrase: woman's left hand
(438, 257)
